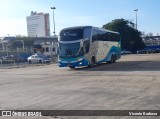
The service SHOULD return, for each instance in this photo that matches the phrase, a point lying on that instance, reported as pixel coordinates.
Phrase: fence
(16, 51)
(12, 61)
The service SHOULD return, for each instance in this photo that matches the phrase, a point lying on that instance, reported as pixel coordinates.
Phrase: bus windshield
(70, 50)
(71, 34)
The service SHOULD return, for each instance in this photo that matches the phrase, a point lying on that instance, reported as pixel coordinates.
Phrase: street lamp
(53, 19)
(136, 10)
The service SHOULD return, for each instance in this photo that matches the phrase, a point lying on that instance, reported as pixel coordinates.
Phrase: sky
(68, 13)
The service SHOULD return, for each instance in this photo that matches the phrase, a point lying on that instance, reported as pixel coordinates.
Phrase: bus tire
(72, 67)
(112, 59)
(92, 63)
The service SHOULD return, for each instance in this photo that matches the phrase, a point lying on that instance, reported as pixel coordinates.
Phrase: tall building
(38, 24)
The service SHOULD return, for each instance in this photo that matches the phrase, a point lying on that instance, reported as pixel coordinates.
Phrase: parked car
(38, 59)
(3, 58)
(16, 58)
(156, 50)
(145, 51)
(125, 52)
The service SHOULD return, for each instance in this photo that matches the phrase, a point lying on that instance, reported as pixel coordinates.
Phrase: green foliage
(28, 41)
(130, 37)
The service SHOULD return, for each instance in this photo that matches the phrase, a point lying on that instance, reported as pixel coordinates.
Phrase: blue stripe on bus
(113, 50)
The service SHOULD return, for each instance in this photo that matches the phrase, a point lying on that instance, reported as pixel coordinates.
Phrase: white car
(38, 59)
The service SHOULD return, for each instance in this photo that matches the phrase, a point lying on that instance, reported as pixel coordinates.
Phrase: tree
(130, 38)
(28, 41)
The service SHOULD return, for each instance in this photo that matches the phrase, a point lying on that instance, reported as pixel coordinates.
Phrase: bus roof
(98, 28)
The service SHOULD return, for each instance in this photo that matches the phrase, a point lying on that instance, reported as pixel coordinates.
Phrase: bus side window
(86, 46)
(118, 37)
(94, 35)
(111, 36)
(87, 33)
(115, 37)
(100, 36)
(106, 36)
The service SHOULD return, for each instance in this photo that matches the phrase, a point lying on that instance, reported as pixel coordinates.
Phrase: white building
(38, 24)
(46, 45)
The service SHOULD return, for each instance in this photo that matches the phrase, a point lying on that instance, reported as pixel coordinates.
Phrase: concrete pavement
(133, 83)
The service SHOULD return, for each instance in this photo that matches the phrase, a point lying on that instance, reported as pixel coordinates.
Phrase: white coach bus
(87, 46)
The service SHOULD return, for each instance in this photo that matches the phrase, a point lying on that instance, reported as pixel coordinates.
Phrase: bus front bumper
(78, 63)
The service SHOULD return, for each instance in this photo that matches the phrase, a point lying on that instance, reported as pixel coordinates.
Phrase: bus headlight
(80, 63)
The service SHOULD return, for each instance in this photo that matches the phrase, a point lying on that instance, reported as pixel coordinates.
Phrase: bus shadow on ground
(125, 66)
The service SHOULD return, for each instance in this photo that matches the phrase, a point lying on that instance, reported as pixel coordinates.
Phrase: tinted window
(99, 35)
(94, 35)
(69, 50)
(71, 34)
(114, 37)
(87, 32)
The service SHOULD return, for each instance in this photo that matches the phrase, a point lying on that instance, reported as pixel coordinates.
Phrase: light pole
(136, 10)
(53, 20)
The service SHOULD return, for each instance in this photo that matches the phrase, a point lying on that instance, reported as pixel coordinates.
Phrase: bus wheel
(92, 62)
(112, 59)
(72, 67)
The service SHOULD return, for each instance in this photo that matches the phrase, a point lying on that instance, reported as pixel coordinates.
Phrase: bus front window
(70, 50)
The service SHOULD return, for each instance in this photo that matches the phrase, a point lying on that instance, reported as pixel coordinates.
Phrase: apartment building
(38, 24)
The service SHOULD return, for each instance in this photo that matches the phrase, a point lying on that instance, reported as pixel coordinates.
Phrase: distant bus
(87, 46)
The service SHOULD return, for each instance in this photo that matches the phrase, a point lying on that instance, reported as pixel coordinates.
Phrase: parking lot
(132, 83)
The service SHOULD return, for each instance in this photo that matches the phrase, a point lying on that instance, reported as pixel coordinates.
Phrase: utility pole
(53, 20)
(136, 10)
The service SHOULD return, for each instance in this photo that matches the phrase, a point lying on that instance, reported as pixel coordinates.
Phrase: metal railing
(7, 61)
